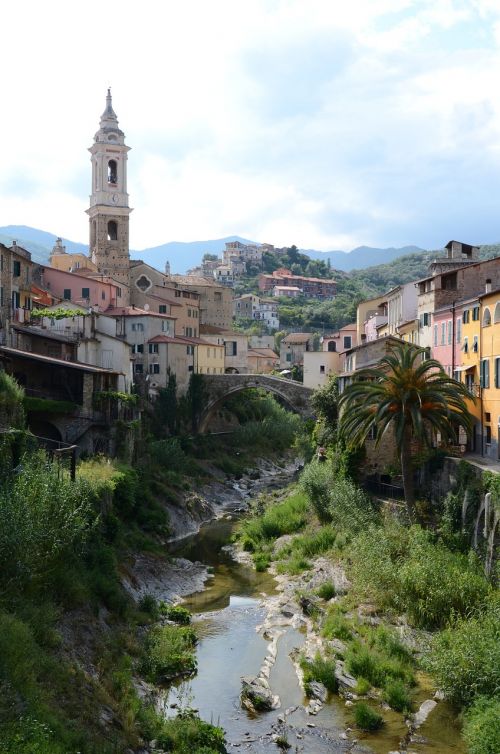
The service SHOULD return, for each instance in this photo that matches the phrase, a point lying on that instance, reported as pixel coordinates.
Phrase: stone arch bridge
(218, 387)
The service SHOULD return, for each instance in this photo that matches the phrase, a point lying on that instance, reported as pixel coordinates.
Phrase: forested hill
(327, 316)
(383, 277)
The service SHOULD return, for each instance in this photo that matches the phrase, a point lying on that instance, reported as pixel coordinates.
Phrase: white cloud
(322, 124)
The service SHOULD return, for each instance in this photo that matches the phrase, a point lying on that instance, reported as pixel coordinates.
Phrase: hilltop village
(82, 326)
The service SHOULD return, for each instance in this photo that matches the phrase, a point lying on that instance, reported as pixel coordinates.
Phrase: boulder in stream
(316, 690)
(345, 681)
(256, 695)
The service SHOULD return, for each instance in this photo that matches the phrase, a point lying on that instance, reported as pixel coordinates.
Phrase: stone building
(109, 203)
(155, 290)
(216, 301)
(16, 276)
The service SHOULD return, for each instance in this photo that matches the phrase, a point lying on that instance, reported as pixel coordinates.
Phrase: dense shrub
(435, 583)
(11, 402)
(176, 613)
(404, 569)
(350, 508)
(465, 658)
(169, 454)
(46, 519)
(169, 652)
(317, 481)
(482, 726)
(29, 735)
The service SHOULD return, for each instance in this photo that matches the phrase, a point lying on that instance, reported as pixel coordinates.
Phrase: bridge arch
(219, 387)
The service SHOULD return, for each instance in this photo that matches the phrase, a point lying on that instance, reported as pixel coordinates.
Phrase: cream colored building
(318, 366)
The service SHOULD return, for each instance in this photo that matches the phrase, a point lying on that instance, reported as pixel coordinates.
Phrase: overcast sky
(324, 123)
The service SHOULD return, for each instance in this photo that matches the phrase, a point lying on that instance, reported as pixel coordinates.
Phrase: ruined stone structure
(219, 387)
(109, 208)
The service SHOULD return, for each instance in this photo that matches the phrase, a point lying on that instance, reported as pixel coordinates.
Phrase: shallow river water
(228, 614)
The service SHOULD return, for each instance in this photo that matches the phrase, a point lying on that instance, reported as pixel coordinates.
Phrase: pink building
(80, 290)
(342, 340)
(447, 338)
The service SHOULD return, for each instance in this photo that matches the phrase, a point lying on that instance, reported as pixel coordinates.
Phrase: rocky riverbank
(291, 608)
(170, 579)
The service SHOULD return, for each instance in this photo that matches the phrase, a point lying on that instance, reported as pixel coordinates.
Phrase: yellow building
(61, 260)
(470, 365)
(408, 331)
(489, 373)
(209, 357)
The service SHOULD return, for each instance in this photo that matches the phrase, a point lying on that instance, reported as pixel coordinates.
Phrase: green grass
(287, 517)
(465, 658)
(362, 687)
(397, 696)
(375, 666)
(188, 734)
(482, 726)
(405, 569)
(336, 625)
(326, 591)
(319, 669)
(367, 718)
(294, 566)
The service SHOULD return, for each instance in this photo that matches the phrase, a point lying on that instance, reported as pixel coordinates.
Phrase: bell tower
(109, 211)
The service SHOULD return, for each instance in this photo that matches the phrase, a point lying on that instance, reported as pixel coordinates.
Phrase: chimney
(487, 287)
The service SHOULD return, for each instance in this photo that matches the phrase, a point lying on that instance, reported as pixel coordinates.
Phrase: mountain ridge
(183, 255)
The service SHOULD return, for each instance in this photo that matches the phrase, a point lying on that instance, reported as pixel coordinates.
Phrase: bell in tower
(109, 206)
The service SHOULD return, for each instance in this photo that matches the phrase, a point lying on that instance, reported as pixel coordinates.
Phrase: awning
(464, 369)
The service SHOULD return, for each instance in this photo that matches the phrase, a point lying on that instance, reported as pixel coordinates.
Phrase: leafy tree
(325, 404)
(210, 257)
(409, 396)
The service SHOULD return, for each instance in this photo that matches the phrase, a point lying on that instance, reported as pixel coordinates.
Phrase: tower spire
(109, 116)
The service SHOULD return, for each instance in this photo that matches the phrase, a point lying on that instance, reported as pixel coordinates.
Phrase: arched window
(112, 230)
(332, 346)
(112, 171)
(486, 317)
(497, 313)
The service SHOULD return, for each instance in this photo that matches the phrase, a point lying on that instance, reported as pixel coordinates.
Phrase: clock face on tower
(114, 198)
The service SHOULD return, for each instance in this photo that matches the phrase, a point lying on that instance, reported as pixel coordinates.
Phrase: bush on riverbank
(287, 517)
(187, 734)
(168, 652)
(482, 726)
(465, 658)
(404, 569)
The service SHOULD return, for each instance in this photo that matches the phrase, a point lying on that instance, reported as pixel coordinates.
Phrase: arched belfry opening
(112, 172)
(109, 207)
(112, 230)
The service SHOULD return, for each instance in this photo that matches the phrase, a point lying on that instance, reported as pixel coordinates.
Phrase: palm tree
(410, 395)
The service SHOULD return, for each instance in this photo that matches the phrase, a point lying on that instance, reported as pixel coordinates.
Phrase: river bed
(229, 614)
